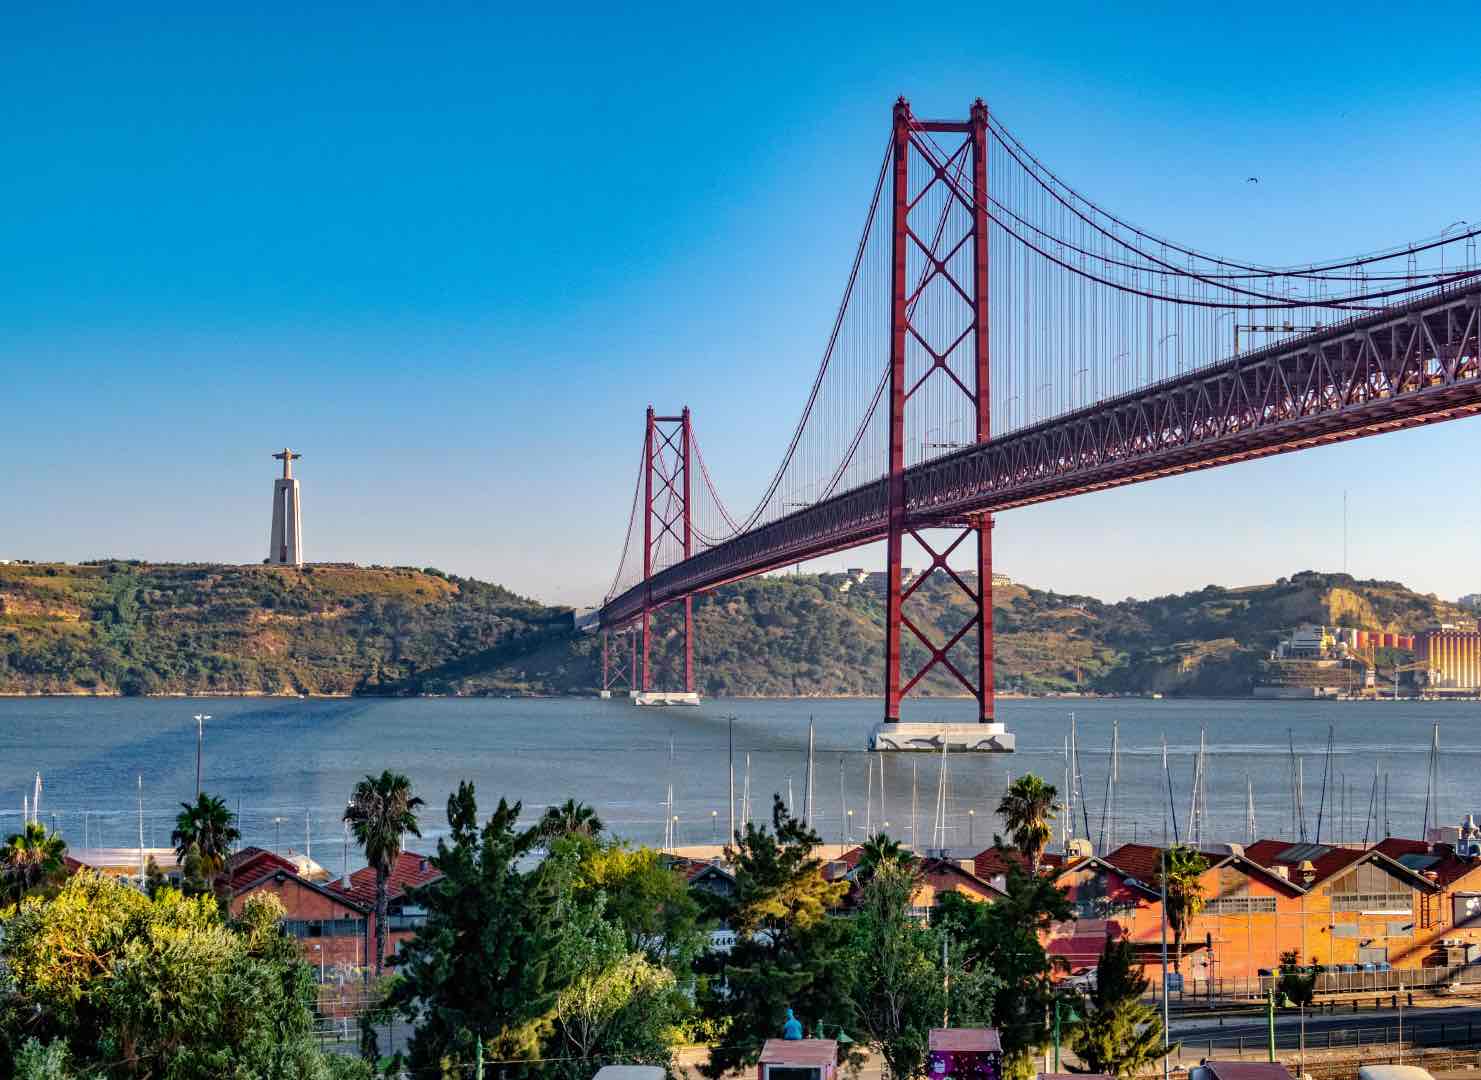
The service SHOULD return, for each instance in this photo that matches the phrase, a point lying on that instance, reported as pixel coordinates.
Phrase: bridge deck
(1413, 364)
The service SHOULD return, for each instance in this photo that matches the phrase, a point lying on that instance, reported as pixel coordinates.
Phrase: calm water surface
(291, 763)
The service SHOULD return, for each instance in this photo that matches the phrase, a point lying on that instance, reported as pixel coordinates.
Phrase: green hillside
(134, 628)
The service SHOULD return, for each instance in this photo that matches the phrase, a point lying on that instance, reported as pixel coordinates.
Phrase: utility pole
(1166, 1047)
(1270, 1022)
(141, 830)
(730, 839)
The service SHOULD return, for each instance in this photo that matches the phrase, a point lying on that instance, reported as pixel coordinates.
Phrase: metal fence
(1377, 1039)
(1195, 991)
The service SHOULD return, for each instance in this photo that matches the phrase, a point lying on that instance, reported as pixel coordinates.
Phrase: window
(1369, 888)
(1239, 905)
(316, 928)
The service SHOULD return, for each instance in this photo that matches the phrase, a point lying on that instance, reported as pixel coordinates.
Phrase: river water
(289, 764)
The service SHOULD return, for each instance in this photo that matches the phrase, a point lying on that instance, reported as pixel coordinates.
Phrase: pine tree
(481, 968)
(1120, 1035)
(789, 952)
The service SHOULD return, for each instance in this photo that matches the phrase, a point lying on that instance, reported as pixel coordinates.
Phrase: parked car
(1082, 980)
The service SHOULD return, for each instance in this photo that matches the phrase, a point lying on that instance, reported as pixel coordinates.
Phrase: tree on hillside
(788, 952)
(1026, 808)
(1183, 870)
(1005, 939)
(30, 859)
(571, 818)
(205, 833)
(1119, 1035)
(483, 968)
(381, 811)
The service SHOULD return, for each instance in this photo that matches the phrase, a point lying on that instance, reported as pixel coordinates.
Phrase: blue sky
(452, 257)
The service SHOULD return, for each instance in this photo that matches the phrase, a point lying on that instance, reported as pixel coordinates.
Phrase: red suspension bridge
(1003, 340)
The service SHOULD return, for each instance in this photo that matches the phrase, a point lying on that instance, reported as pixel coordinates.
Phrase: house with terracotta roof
(1362, 906)
(1448, 913)
(403, 917)
(332, 929)
(1251, 913)
(938, 874)
(1328, 904)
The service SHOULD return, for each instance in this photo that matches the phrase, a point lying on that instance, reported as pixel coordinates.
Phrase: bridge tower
(922, 251)
(667, 454)
(619, 672)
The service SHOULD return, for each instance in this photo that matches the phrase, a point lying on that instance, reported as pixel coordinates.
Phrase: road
(1428, 1025)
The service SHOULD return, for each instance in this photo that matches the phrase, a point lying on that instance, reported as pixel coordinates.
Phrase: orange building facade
(1402, 903)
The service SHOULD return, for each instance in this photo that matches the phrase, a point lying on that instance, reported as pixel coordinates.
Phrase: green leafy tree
(1297, 984)
(880, 851)
(1120, 1035)
(1004, 939)
(381, 811)
(618, 1007)
(1026, 808)
(122, 985)
(788, 952)
(899, 989)
(647, 898)
(571, 818)
(1183, 869)
(29, 860)
(484, 965)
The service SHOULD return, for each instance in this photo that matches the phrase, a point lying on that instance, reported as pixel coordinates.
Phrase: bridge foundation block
(991, 738)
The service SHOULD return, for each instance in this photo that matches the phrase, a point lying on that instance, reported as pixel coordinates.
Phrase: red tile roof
(1446, 867)
(694, 868)
(410, 869)
(933, 870)
(1141, 861)
(251, 864)
(1326, 863)
(996, 860)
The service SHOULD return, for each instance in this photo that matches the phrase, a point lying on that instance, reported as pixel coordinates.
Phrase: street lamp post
(714, 826)
(200, 734)
(851, 826)
(971, 821)
(277, 834)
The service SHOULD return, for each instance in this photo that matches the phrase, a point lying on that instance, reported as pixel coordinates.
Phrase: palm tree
(572, 818)
(204, 835)
(1025, 809)
(880, 851)
(381, 811)
(1182, 870)
(29, 858)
